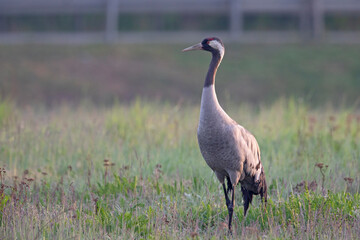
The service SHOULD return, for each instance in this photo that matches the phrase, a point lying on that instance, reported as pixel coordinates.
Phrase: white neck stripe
(216, 45)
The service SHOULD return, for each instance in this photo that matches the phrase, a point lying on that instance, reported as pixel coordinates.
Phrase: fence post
(236, 18)
(112, 13)
(318, 19)
(305, 19)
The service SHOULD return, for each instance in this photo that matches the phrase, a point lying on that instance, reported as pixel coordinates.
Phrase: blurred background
(104, 51)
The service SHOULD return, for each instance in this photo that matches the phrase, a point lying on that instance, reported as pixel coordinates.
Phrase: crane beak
(194, 47)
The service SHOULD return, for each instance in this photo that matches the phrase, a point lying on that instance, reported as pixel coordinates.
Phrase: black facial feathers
(206, 44)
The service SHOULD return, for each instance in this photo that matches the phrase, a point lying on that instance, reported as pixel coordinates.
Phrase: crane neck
(211, 113)
(214, 64)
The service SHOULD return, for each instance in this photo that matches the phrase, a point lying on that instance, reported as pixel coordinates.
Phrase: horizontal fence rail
(311, 14)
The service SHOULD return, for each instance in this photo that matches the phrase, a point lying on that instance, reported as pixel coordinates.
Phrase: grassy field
(99, 142)
(249, 73)
(135, 172)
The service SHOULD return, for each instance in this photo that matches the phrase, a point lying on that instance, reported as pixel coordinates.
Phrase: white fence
(311, 14)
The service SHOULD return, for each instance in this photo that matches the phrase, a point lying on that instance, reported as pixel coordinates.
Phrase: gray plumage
(229, 149)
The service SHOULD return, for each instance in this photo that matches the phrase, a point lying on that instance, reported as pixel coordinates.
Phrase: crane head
(213, 45)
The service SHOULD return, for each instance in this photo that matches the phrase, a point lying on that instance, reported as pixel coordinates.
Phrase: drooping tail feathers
(261, 189)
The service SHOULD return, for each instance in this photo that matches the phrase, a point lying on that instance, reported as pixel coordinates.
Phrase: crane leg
(226, 191)
(229, 185)
(226, 195)
(231, 206)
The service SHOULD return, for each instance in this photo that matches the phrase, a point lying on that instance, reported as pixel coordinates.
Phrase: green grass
(6, 111)
(154, 183)
(49, 74)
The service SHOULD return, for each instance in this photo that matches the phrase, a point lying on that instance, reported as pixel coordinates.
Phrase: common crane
(228, 148)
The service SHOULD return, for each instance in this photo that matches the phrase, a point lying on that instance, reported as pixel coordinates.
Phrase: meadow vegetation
(81, 157)
(249, 73)
(134, 171)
